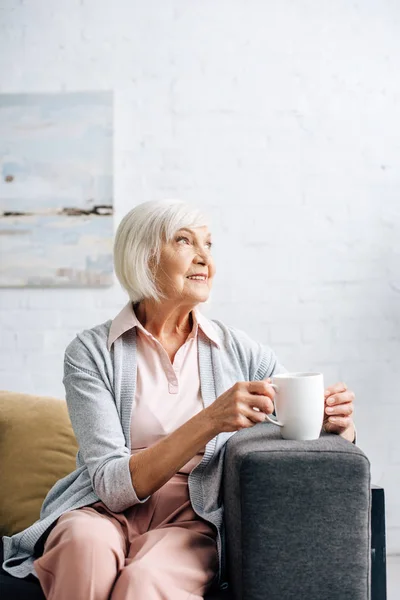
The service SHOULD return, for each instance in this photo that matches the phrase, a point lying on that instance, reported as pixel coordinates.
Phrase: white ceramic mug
(299, 405)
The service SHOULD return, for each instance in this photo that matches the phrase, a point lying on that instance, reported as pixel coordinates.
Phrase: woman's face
(186, 255)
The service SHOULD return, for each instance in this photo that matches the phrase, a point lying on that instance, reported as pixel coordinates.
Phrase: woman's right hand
(233, 410)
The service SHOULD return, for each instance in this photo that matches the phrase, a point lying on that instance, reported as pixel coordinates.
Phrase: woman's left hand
(338, 411)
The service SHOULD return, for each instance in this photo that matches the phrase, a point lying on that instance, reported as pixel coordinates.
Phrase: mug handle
(270, 419)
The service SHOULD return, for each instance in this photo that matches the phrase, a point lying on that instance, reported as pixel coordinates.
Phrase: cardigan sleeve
(99, 434)
(269, 364)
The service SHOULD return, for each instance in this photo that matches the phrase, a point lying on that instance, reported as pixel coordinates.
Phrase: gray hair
(139, 239)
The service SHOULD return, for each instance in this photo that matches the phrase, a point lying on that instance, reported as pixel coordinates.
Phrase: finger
(340, 409)
(261, 388)
(335, 389)
(249, 417)
(331, 428)
(263, 403)
(338, 423)
(254, 415)
(246, 417)
(340, 398)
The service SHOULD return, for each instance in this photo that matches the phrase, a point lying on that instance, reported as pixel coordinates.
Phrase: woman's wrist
(349, 433)
(208, 423)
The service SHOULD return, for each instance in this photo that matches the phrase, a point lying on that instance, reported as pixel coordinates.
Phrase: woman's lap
(163, 537)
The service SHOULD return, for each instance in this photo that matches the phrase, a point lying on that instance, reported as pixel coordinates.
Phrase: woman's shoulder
(258, 357)
(87, 344)
(234, 335)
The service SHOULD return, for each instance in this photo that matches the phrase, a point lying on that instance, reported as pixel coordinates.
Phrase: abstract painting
(56, 189)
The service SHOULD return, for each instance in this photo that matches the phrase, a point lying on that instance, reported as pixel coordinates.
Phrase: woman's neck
(164, 321)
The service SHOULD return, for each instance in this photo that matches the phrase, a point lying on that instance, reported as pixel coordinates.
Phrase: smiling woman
(163, 259)
(151, 232)
(153, 396)
(186, 268)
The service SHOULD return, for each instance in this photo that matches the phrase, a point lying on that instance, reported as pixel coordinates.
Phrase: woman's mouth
(198, 278)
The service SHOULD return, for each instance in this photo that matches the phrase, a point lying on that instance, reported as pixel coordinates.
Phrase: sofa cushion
(37, 447)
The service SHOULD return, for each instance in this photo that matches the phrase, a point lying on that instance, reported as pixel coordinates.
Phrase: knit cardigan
(100, 391)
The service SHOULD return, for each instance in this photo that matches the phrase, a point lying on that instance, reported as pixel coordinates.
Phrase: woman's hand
(233, 410)
(338, 411)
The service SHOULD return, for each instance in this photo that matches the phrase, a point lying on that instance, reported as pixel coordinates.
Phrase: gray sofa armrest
(297, 517)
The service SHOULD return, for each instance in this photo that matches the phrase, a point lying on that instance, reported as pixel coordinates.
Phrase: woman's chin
(199, 297)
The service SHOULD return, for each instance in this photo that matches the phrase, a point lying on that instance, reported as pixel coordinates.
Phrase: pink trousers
(159, 550)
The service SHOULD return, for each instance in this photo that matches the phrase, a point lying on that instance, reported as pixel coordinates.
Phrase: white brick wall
(282, 120)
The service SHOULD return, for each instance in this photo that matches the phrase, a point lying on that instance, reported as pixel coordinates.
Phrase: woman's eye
(186, 240)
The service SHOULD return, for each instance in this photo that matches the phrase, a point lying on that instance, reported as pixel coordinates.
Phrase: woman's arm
(231, 411)
(154, 466)
(99, 434)
(121, 480)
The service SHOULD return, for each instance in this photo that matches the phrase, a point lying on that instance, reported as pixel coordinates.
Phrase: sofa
(302, 519)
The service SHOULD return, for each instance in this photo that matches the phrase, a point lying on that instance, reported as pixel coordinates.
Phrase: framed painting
(56, 189)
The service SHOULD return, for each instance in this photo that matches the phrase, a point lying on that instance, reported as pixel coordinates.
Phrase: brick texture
(280, 120)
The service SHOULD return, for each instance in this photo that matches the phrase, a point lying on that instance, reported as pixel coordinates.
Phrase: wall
(280, 120)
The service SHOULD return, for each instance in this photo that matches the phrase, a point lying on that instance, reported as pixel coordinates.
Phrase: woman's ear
(152, 264)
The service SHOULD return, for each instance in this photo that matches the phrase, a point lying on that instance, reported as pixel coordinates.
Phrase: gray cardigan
(100, 390)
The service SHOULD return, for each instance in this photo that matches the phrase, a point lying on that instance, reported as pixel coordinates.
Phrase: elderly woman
(153, 396)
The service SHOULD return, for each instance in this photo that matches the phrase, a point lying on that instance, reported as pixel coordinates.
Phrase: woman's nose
(201, 258)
